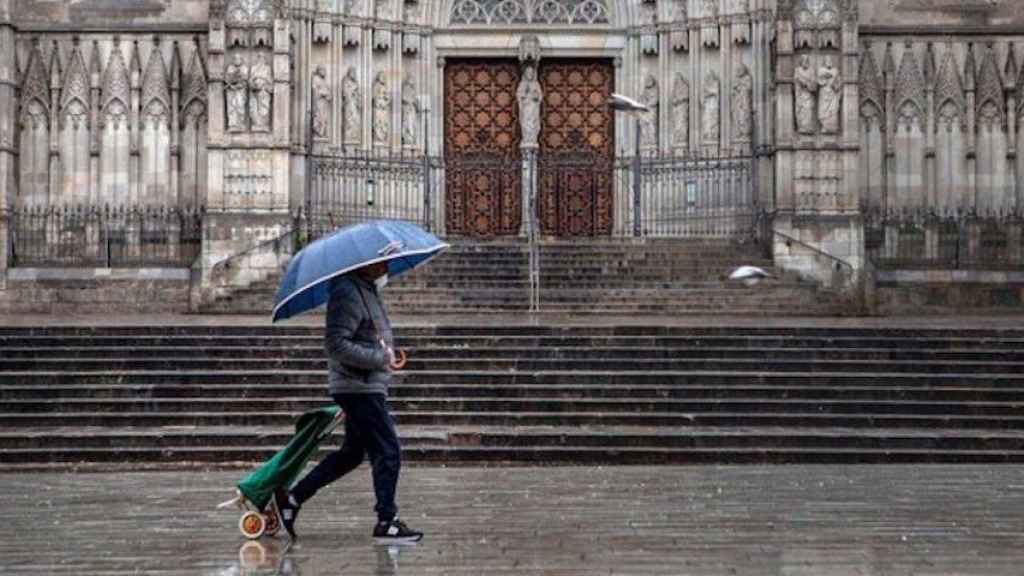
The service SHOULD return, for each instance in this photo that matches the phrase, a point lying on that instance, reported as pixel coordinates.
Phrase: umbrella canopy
(402, 245)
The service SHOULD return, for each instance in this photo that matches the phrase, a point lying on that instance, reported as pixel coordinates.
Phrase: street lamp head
(626, 104)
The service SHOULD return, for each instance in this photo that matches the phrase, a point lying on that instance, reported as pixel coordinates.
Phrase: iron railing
(105, 236)
(950, 239)
(671, 196)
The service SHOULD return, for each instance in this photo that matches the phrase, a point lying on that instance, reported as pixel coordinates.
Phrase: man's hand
(389, 353)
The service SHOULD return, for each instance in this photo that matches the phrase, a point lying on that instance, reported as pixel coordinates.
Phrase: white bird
(749, 275)
(625, 103)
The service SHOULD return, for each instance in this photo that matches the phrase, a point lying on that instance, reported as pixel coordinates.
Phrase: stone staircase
(505, 393)
(604, 276)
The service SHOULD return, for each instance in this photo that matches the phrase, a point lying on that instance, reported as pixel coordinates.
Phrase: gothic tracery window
(508, 12)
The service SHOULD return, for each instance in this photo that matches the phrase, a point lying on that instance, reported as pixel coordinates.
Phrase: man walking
(360, 354)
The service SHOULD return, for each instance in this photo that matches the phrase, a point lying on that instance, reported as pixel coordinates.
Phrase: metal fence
(953, 239)
(105, 237)
(655, 196)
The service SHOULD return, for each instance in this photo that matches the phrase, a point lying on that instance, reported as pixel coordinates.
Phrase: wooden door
(576, 147)
(483, 175)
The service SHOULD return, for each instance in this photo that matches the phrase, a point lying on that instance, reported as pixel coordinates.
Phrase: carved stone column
(529, 95)
(8, 116)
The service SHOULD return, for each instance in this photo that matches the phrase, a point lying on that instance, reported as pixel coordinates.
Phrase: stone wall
(95, 291)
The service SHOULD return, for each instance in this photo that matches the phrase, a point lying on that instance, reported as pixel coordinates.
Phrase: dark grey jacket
(356, 361)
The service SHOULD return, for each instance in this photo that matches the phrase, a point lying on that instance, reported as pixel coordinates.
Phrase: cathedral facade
(863, 128)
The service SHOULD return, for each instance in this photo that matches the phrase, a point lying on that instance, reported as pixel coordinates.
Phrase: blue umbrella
(402, 245)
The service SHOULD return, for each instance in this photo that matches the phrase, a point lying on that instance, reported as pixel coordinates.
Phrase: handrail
(815, 249)
(225, 262)
(532, 225)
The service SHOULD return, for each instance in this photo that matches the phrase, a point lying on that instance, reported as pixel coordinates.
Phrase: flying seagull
(749, 275)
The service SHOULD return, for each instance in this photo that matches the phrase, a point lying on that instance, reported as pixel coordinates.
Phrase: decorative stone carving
(529, 97)
(116, 90)
(529, 49)
(74, 104)
(710, 8)
(817, 24)
(353, 102)
(381, 110)
(236, 90)
(709, 30)
(805, 85)
(382, 36)
(711, 109)
(195, 91)
(950, 105)
(354, 7)
(871, 90)
(680, 36)
(649, 119)
(248, 177)
(991, 106)
(249, 12)
(829, 97)
(909, 92)
(681, 111)
(742, 104)
(382, 9)
(261, 86)
(410, 112)
(322, 99)
(514, 12)
(35, 92)
(156, 95)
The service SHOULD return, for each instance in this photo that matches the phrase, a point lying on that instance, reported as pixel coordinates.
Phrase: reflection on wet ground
(692, 521)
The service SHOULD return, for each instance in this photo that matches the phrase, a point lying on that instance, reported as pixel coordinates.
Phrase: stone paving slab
(693, 521)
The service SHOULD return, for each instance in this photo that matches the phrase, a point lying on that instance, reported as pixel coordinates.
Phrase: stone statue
(681, 111)
(806, 85)
(236, 87)
(410, 111)
(711, 105)
(381, 110)
(321, 102)
(353, 101)
(529, 95)
(742, 104)
(829, 95)
(649, 119)
(261, 85)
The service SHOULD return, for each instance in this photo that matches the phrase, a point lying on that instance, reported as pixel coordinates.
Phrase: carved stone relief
(711, 109)
(871, 91)
(991, 107)
(194, 91)
(261, 86)
(742, 104)
(248, 177)
(353, 107)
(74, 105)
(156, 96)
(114, 111)
(529, 96)
(909, 93)
(649, 119)
(829, 97)
(950, 104)
(236, 90)
(410, 112)
(805, 86)
(35, 92)
(680, 111)
(322, 99)
(511, 12)
(381, 110)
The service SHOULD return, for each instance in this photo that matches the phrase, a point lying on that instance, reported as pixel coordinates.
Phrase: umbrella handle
(401, 359)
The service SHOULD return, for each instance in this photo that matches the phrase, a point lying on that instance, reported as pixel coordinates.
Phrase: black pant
(369, 429)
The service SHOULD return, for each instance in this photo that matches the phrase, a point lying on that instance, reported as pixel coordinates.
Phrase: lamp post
(632, 107)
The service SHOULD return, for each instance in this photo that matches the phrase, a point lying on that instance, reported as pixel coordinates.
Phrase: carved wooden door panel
(483, 175)
(576, 148)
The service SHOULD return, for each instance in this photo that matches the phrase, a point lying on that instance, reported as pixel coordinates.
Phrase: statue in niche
(261, 84)
(353, 106)
(529, 96)
(711, 106)
(649, 119)
(829, 95)
(681, 111)
(742, 103)
(381, 110)
(410, 111)
(806, 85)
(321, 102)
(236, 86)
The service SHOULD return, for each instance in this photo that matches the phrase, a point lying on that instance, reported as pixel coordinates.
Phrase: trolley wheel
(273, 521)
(252, 525)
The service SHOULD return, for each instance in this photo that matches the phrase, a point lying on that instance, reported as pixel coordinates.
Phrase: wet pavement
(559, 521)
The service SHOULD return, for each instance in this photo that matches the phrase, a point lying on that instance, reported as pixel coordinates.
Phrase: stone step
(188, 363)
(484, 351)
